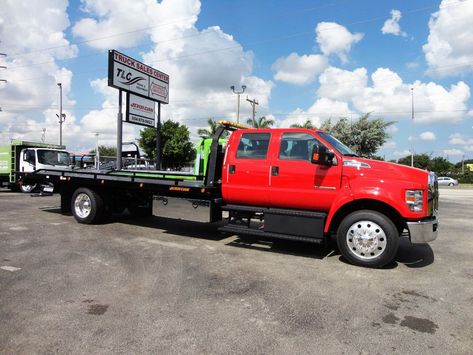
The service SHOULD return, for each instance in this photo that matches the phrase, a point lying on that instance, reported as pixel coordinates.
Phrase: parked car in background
(447, 181)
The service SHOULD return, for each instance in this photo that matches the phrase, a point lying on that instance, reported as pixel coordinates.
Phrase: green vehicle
(203, 149)
(21, 156)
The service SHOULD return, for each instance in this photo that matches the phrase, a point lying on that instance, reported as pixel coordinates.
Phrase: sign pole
(119, 131)
(158, 139)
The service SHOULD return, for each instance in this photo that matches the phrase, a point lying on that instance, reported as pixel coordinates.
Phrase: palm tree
(261, 122)
(210, 130)
(307, 124)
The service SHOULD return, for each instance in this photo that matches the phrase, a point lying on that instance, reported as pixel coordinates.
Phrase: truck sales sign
(128, 74)
(140, 110)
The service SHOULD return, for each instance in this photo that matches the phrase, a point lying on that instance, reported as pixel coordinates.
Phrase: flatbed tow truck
(286, 183)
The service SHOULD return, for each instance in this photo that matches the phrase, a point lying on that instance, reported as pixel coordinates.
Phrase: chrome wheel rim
(82, 205)
(366, 240)
(27, 188)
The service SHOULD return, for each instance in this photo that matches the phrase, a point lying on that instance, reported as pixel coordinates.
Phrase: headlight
(415, 200)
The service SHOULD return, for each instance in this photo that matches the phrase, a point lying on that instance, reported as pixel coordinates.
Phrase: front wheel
(451, 184)
(368, 238)
(87, 206)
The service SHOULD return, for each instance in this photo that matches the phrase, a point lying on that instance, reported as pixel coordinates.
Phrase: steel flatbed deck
(167, 183)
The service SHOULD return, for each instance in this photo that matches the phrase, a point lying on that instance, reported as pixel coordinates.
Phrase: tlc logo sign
(129, 75)
(127, 78)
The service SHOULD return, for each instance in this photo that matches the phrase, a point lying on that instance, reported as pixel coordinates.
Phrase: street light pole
(243, 87)
(97, 153)
(61, 116)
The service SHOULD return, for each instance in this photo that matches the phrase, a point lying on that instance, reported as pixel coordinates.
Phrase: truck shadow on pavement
(209, 231)
(175, 226)
(412, 256)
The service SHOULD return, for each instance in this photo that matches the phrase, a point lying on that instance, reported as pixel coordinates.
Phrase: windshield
(339, 146)
(53, 157)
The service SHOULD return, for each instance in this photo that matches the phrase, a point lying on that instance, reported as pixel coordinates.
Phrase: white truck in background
(22, 156)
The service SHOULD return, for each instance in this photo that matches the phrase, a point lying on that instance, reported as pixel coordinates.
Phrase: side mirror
(321, 155)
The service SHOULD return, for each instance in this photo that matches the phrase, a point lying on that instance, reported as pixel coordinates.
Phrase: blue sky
(300, 59)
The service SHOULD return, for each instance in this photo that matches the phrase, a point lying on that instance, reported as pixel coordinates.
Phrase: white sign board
(128, 74)
(140, 110)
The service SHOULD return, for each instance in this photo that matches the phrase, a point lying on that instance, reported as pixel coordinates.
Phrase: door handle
(231, 169)
(275, 170)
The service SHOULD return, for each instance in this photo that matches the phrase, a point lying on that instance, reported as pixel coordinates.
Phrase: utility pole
(463, 164)
(253, 104)
(43, 136)
(61, 116)
(413, 128)
(243, 87)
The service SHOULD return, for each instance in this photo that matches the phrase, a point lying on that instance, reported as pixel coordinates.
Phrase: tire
(27, 188)
(451, 184)
(87, 206)
(368, 238)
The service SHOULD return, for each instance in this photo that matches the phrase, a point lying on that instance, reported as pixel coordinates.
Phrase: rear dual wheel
(87, 206)
(368, 238)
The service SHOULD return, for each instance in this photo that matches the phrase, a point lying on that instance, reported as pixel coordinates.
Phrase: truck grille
(433, 197)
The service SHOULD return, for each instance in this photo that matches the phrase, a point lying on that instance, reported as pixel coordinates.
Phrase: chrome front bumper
(422, 232)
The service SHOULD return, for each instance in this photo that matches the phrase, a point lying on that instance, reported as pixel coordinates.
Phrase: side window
(30, 156)
(297, 146)
(253, 146)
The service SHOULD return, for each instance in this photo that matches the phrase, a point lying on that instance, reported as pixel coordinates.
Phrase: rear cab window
(253, 146)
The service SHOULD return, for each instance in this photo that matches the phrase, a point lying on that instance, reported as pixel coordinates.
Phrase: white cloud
(389, 145)
(391, 26)
(33, 36)
(449, 48)
(336, 39)
(427, 136)
(297, 69)
(412, 65)
(320, 111)
(202, 64)
(388, 96)
(453, 152)
(459, 139)
(401, 153)
(123, 24)
(342, 84)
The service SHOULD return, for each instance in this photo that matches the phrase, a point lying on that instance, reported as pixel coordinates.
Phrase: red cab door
(247, 169)
(295, 181)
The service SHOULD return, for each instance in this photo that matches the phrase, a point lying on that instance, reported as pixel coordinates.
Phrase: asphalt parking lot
(159, 285)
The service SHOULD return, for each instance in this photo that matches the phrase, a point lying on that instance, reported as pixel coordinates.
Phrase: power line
(156, 26)
(200, 33)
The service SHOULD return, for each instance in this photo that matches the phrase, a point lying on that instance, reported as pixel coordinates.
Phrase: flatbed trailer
(109, 191)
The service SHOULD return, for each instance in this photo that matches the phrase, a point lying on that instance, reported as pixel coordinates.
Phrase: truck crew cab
(296, 184)
(306, 183)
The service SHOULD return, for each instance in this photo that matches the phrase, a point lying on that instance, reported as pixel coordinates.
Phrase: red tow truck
(287, 183)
